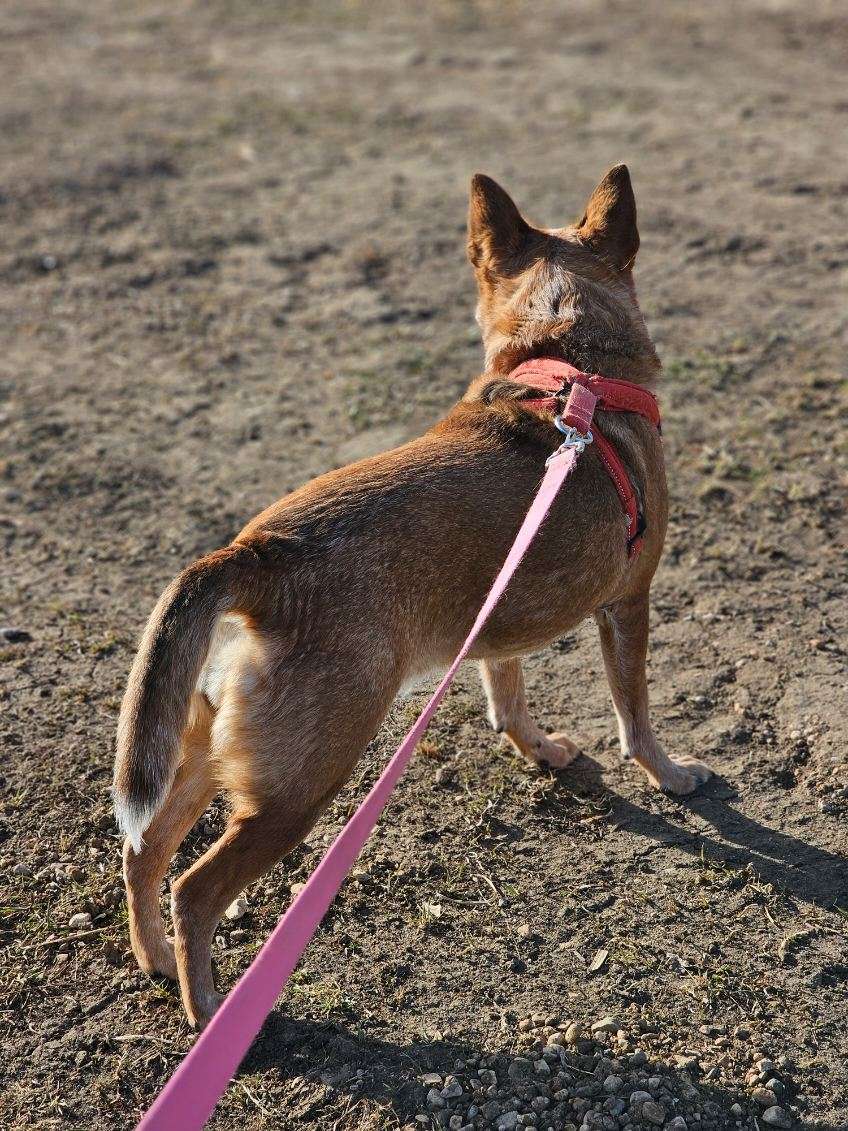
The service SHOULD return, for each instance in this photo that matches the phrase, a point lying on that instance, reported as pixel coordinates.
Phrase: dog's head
(559, 291)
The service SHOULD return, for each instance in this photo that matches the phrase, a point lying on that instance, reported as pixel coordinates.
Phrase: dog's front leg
(508, 714)
(624, 642)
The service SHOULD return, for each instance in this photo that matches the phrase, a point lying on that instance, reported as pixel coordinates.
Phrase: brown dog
(267, 666)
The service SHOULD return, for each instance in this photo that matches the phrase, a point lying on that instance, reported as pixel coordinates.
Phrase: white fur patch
(414, 682)
(133, 821)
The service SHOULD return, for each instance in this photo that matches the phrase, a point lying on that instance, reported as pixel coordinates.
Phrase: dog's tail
(164, 674)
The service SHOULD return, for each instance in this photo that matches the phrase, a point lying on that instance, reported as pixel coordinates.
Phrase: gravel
(560, 1079)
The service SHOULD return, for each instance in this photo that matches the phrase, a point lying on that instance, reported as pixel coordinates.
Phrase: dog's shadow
(386, 1074)
(807, 872)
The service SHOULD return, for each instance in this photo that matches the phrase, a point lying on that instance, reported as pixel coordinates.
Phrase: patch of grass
(715, 373)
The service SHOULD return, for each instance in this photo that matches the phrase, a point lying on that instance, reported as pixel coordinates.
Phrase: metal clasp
(573, 439)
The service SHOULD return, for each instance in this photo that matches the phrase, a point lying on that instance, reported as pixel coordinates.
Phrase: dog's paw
(203, 1010)
(555, 750)
(682, 775)
(156, 956)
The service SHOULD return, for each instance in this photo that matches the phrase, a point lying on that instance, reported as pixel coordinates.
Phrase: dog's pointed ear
(496, 229)
(609, 222)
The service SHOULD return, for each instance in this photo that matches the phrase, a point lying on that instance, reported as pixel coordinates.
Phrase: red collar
(553, 375)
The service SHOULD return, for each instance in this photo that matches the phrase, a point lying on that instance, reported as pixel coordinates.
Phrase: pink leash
(190, 1096)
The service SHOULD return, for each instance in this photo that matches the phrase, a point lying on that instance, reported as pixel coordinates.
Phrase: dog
(267, 666)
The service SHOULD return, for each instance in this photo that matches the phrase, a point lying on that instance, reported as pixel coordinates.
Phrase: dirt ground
(232, 256)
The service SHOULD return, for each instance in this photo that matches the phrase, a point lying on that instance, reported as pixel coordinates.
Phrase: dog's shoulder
(492, 407)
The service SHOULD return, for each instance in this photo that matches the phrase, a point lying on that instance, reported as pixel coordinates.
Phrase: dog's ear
(609, 222)
(496, 229)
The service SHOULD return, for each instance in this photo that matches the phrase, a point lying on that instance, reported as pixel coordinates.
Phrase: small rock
(15, 635)
(523, 931)
(654, 1112)
(542, 1068)
(452, 1088)
(765, 1066)
(434, 1099)
(508, 1121)
(237, 908)
(22, 870)
(431, 1080)
(296, 889)
(639, 1098)
(80, 921)
(574, 1033)
(613, 1084)
(737, 1111)
(520, 1068)
(765, 1097)
(606, 1025)
(638, 1058)
(677, 1124)
(776, 1086)
(777, 1117)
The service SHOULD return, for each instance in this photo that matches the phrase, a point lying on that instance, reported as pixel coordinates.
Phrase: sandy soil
(232, 256)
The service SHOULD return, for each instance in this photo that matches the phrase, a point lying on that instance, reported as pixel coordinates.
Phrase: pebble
(777, 1117)
(574, 1033)
(237, 908)
(80, 921)
(639, 1097)
(765, 1097)
(22, 870)
(613, 1084)
(15, 635)
(508, 1121)
(452, 1088)
(519, 1068)
(606, 1025)
(737, 1111)
(654, 1112)
(434, 1098)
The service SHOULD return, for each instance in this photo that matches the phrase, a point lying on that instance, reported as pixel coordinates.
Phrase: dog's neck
(629, 357)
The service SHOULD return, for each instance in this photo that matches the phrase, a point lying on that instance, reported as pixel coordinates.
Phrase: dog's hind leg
(285, 739)
(508, 714)
(191, 792)
(624, 642)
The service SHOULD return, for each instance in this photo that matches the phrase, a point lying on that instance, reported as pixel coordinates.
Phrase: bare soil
(232, 256)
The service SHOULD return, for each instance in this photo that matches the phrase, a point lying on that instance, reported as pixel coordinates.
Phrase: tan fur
(267, 667)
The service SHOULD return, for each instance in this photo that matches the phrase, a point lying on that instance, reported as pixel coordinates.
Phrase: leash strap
(190, 1096)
